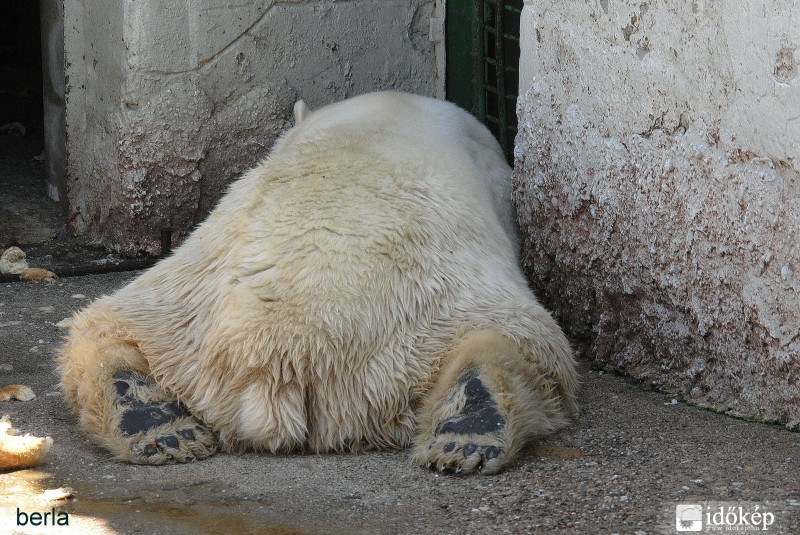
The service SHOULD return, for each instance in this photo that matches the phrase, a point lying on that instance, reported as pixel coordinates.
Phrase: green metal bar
(479, 66)
(500, 73)
(482, 42)
(462, 81)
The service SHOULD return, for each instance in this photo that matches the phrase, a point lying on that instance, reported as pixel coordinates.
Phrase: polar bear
(359, 289)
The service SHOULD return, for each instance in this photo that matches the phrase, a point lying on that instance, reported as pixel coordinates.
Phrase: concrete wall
(657, 181)
(168, 102)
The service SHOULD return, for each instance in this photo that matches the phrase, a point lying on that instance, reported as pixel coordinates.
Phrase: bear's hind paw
(154, 427)
(472, 436)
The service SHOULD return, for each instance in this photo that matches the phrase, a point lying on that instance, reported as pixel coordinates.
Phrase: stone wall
(657, 181)
(168, 102)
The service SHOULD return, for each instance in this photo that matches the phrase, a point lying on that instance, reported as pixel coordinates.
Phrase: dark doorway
(27, 215)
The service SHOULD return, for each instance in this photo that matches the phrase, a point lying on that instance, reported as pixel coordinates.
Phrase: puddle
(206, 518)
(134, 507)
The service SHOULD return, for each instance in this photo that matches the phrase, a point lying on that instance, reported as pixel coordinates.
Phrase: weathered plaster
(168, 104)
(658, 190)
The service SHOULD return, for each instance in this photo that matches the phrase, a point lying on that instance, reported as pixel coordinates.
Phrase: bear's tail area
(301, 112)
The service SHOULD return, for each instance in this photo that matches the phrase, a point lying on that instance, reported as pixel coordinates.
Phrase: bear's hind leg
(486, 405)
(106, 381)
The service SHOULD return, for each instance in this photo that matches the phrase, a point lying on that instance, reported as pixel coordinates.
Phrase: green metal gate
(482, 39)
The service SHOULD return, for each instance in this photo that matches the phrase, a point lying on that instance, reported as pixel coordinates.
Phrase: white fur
(312, 310)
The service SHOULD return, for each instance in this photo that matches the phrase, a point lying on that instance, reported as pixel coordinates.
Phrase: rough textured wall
(658, 188)
(167, 103)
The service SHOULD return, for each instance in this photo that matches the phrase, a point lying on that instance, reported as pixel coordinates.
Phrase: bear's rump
(305, 331)
(312, 379)
(313, 348)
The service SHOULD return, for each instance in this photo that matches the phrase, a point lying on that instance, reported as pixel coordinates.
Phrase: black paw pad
(141, 417)
(124, 380)
(479, 415)
(160, 444)
(122, 388)
(168, 441)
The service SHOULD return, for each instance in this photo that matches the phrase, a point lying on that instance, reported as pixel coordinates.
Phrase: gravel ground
(622, 467)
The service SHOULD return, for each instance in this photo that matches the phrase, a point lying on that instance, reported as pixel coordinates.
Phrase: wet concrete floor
(623, 466)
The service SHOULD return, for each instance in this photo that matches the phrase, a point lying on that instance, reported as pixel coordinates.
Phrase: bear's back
(438, 135)
(381, 198)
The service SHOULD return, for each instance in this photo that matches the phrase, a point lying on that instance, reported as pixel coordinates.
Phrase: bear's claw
(158, 428)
